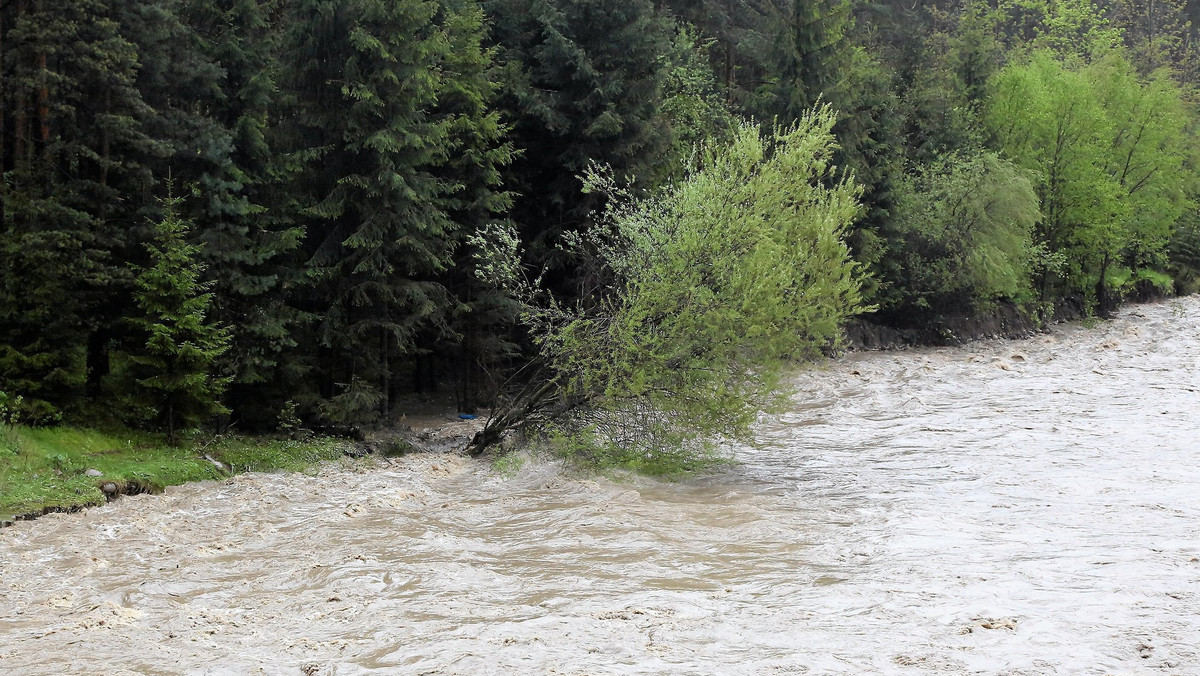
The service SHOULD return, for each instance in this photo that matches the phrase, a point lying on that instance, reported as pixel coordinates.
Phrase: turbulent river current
(1024, 507)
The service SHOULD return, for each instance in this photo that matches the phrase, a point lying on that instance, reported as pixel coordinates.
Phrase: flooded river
(1026, 507)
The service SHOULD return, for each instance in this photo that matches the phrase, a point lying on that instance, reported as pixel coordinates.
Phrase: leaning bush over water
(704, 293)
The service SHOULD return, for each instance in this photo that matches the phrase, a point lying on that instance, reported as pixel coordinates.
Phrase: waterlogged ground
(1003, 508)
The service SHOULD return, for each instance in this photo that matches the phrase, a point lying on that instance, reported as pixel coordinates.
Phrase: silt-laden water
(1026, 507)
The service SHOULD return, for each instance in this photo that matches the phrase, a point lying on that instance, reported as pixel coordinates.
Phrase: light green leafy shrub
(707, 290)
(966, 226)
(1109, 150)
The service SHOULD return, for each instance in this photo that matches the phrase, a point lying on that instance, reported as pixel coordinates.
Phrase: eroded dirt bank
(1006, 507)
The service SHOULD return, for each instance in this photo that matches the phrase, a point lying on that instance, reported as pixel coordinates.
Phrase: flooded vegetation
(1024, 507)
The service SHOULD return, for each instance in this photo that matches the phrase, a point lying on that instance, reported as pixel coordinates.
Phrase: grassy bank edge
(54, 469)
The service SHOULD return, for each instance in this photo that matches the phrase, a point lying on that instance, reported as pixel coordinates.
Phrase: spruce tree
(248, 237)
(75, 169)
(583, 84)
(1158, 34)
(393, 148)
(807, 54)
(482, 315)
(172, 363)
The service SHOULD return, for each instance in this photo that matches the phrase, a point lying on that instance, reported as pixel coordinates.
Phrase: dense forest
(256, 211)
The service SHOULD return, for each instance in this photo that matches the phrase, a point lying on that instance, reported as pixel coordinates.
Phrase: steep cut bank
(1006, 320)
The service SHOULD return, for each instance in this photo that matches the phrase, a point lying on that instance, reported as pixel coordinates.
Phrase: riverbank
(1006, 320)
(47, 470)
(68, 469)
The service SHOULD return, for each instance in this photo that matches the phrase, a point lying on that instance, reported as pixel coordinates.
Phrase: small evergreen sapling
(178, 347)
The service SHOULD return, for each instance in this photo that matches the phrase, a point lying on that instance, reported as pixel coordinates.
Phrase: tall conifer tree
(583, 84)
(249, 244)
(388, 125)
(75, 170)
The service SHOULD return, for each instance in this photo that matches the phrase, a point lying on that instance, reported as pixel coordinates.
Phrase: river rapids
(1006, 507)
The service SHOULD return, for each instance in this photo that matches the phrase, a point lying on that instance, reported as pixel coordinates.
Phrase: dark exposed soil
(1007, 320)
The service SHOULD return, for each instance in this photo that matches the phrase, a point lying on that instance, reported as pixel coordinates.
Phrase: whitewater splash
(1026, 507)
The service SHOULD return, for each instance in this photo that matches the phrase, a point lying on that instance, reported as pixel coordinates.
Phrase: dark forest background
(258, 211)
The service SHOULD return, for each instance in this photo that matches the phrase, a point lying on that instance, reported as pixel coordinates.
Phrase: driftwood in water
(535, 402)
(541, 399)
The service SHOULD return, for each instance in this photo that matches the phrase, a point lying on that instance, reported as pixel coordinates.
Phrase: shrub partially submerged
(701, 296)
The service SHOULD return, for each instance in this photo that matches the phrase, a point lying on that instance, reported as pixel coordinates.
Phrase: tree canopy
(359, 182)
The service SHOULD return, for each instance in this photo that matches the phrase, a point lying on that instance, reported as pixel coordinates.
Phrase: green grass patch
(45, 469)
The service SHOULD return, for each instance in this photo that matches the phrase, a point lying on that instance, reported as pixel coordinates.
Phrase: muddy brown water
(1025, 507)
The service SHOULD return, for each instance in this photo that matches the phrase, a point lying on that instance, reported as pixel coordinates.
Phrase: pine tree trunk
(467, 355)
(728, 74)
(19, 122)
(43, 96)
(19, 111)
(327, 366)
(1102, 299)
(97, 361)
(3, 129)
(385, 400)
